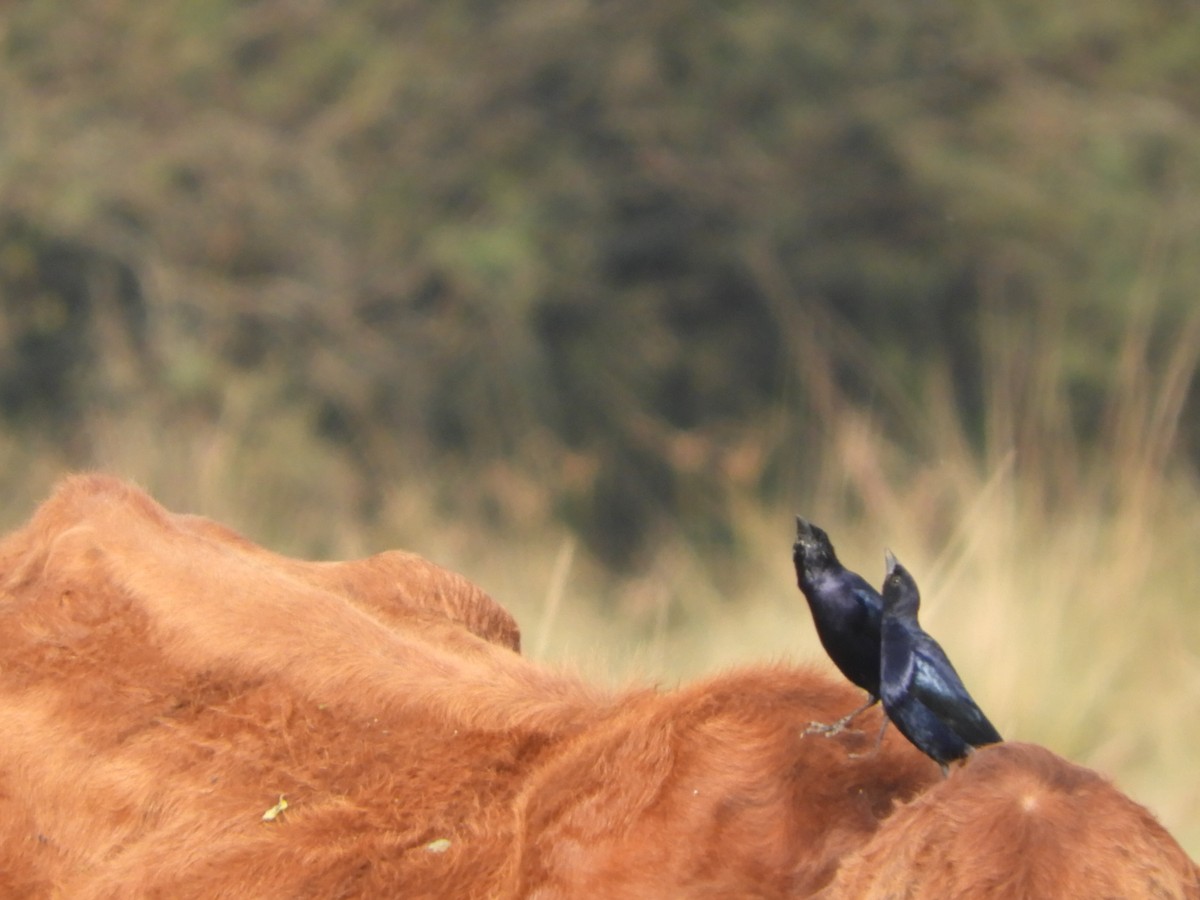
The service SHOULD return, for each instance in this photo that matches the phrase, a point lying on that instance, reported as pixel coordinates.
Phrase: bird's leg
(840, 725)
(878, 741)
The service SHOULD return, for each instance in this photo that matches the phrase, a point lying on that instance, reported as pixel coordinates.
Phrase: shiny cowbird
(846, 611)
(922, 693)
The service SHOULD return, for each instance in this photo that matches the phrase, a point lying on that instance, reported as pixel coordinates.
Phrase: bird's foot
(829, 729)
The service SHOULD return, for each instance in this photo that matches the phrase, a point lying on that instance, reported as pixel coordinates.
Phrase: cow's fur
(1018, 821)
(163, 681)
(394, 585)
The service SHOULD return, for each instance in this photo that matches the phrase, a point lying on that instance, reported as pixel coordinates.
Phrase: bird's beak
(803, 530)
(889, 559)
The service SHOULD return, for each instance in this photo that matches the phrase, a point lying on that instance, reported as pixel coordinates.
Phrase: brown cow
(1018, 821)
(163, 682)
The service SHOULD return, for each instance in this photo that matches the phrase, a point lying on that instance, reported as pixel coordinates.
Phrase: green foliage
(640, 246)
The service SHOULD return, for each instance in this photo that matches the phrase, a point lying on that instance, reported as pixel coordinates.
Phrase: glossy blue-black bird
(921, 692)
(846, 611)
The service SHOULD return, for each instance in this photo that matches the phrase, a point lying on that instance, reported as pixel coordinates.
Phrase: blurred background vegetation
(585, 299)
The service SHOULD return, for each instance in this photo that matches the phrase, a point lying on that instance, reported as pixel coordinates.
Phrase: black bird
(846, 611)
(921, 692)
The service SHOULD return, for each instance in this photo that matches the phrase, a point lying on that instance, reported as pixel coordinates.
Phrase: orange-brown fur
(163, 681)
(1018, 821)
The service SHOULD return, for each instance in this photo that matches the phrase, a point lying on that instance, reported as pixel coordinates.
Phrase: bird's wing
(936, 684)
(869, 602)
(898, 668)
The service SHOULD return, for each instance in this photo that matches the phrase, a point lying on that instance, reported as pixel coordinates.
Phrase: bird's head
(813, 551)
(900, 592)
